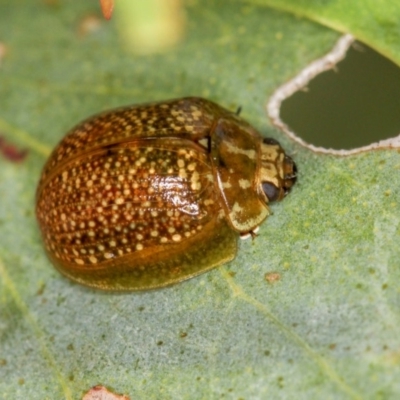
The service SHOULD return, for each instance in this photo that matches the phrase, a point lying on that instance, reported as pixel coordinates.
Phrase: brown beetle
(148, 195)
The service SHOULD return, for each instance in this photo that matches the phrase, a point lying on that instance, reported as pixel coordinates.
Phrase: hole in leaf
(354, 105)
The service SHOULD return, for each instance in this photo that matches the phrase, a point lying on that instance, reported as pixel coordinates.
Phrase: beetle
(145, 196)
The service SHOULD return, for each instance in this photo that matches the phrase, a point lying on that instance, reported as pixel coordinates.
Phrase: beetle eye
(271, 191)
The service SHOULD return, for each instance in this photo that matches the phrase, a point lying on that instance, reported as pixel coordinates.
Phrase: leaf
(328, 328)
(376, 24)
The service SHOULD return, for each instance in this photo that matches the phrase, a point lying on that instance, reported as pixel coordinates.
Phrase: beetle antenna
(239, 110)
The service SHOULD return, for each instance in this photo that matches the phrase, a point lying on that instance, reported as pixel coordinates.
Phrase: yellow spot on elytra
(244, 183)
(197, 113)
(195, 185)
(189, 128)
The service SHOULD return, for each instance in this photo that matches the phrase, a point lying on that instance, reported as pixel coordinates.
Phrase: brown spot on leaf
(100, 392)
(272, 277)
(11, 152)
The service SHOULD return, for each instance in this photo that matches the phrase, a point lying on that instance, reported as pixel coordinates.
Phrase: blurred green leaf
(329, 328)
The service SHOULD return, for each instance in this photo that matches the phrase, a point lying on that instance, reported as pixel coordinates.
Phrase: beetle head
(278, 171)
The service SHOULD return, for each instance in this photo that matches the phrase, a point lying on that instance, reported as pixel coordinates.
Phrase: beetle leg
(252, 234)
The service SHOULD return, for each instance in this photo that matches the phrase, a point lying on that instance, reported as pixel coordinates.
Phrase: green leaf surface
(329, 328)
(376, 23)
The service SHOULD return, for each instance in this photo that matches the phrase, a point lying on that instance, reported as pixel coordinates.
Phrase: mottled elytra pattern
(186, 118)
(145, 196)
(127, 198)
